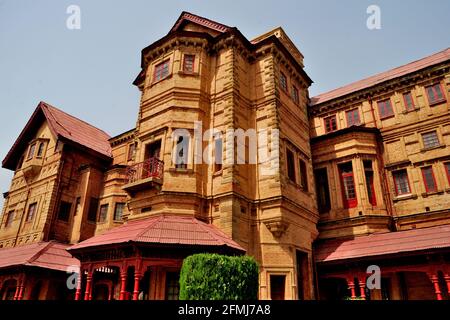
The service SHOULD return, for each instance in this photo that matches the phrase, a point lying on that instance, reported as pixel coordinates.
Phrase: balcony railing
(150, 168)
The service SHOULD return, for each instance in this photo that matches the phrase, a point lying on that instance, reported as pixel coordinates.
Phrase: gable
(191, 22)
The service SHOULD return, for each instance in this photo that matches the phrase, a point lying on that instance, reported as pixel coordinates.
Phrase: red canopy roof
(384, 244)
(162, 229)
(64, 126)
(433, 59)
(49, 255)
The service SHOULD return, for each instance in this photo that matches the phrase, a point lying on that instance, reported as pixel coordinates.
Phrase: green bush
(217, 277)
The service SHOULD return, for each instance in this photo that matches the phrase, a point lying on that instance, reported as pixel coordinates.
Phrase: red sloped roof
(433, 59)
(64, 126)
(48, 255)
(163, 229)
(190, 17)
(384, 244)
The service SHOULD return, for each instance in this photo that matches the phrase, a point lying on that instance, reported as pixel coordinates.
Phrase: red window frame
(328, 123)
(352, 117)
(295, 95)
(385, 109)
(159, 73)
(283, 82)
(395, 182)
(368, 173)
(429, 187)
(435, 100)
(189, 63)
(347, 181)
(408, 107)
(447, 170)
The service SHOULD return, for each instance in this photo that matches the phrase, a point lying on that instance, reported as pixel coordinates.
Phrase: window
(161, 71)
(295, 95)
(31, 211)
(92, 213)
(323, 191)
(408, 100)
(283, 82)
(64, 211)
(118, 211)
(428, 179)
(401, 182)
(188, 63)
(31, 151)
(330, 124)
(181, 156)
(447, 170)
(277, 287)
(303, 175)
(103, 213)
(290, 164)
(385, 108)
(218, 154)
(348, 185)
(434, 93)
(131, 151)
(9, 218)
(20, 163)
(352, 118)
(368, 172)
(172, 285)
(40, 150)
(430, 140)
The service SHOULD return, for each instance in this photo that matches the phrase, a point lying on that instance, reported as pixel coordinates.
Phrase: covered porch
(141, 259)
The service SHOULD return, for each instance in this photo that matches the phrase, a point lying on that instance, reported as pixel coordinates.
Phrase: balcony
(144, 175)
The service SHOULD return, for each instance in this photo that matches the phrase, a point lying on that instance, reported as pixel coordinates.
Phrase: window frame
(283, 84)
(447, 170)
(131, 151)
(40, 150)
(322, 175)
(391, 108)
(295, 95)
(218, 166)
(103, 216)
(31, 151)
(303, 171)
(430, 146)
(93, 208)
(156, 70)
(348, 202)
(432, 86)
(60, 210)
(123, 204)
(352, 112)
(9, 219)
(190, 55)
(370, 176)
(425, 181)
(33, 213)
(407, 107)
(325, 121)
(395, 182)
(290, 165)
(182, 146)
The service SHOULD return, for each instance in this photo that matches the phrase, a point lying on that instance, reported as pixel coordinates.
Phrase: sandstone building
(355, 177)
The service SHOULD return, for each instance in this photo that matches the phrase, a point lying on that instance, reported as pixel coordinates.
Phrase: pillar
(88, 292)
(435, 281)
(362, 287)
(78, 290)
(16, 294)
(21, 286)
(123, 284)
(447, 281)
(137, 278)
(351, 286)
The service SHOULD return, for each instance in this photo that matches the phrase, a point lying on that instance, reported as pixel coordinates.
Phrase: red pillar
(351, 286)
(137, 278)
(88, 293)
(447, 281)
(78, 291)
(435, 281)
(16, 294)
(123, 284)
(22, 284)
(362, 287)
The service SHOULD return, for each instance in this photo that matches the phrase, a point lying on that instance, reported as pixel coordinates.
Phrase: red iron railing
(150, 168)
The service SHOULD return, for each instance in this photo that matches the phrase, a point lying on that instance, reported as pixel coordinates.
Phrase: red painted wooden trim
(325, 120)
(447, 170)
(395, 184)
(427, 187)
(444, 98)
(406, 102)
(348, 203)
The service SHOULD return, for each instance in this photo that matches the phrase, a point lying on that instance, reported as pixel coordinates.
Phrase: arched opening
(101, 292)
(8, 289)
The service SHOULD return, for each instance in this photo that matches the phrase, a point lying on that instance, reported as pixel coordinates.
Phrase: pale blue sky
(89, 72)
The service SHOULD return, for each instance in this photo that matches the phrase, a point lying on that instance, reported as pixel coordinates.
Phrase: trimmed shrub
(217, 277)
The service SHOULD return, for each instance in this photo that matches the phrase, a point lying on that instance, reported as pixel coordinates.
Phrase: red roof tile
(189, 17)
(433, 59)
(163, 229)
(48, 255)
(64, 126)
(384, 244)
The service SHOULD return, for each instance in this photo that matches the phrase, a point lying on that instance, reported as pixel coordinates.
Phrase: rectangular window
(131, 151)
(290, 165)
(430, 140)
(408, 100)
(303, 175)
(330, 124)
(40, 150)
(161, 71)
(368, 172)
(323, 191)
(118, 211)
(434, 94)
(401, 182)
(64, 211)
(348, 185)
(188, 63)
(31, 211)
(385, 108)
(428, 179)
(9, 218)
(218, 154)
(93, 207)
(352, 118)
(182, 150)
(277, 287)
(103, 213)
(20, 163)
(172, 285)
(295, 95)
(447, 170)
(283, 82)
(31, 151)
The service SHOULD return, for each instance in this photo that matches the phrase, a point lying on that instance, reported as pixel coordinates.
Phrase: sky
(88, 72)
